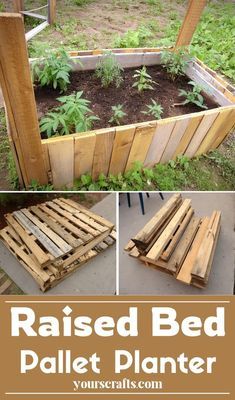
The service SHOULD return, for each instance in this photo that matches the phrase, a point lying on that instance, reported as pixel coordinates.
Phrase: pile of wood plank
(177, 242)
(51, 240)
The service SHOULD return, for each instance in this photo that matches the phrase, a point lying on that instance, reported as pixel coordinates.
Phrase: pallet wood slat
(147, 232)
(84, 147)
(5, 286)
(159, 246)
(61, 155)
(141, 142)
(102, 152)
(183, 246)
(63, 247)
(121, 149)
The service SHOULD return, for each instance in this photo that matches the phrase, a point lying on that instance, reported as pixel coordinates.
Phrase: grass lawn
(86, 24)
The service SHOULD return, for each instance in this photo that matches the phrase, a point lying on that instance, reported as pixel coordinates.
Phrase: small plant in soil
(54, 70)
(175, 62)
(193, 96)
(74, 115)
(109, 71)
(154, 109)
(118, 115)
(143, 80)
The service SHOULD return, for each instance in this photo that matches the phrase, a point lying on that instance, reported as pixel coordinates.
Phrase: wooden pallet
(53, 239)
(177, 242)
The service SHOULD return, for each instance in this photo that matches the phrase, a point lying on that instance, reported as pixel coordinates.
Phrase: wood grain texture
(159, 142)
(84, 146)
(175, 138)
(141, 142)
(192, 17)
(102, 152)
(121, 149)
(61, 154)
(19, 98)
(221, 124)
(204, 126)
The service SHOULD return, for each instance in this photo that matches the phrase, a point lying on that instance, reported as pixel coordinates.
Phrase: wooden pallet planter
(53, 239)
(61, 160)
(181, 244)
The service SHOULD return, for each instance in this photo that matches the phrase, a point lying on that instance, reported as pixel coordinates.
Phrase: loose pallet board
(53, 239)
(177, 242)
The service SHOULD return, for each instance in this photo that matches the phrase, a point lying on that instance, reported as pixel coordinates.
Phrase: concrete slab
(136, 278)
(97, 277)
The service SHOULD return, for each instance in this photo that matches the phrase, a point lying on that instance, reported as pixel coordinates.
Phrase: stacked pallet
(51, 240)
(177, 242)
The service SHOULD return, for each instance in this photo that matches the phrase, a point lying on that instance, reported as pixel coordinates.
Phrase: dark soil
(13, 201)
(165, 93)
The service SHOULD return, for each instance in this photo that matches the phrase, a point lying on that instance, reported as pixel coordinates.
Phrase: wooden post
(19, 98)
(193, 14)
(18, 5)
(51, 11)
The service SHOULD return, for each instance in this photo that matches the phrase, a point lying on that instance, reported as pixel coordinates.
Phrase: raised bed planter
(114, 150)
(61, 160)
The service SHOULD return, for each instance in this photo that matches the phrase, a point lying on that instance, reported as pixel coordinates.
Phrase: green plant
(143, 80)
(74, 115)
(118, 114)
(35, 186)
(53, 70)
(2, 7)
(109, 71)
(154, 109)
(193, 96)
(136, 38)
(175, 62)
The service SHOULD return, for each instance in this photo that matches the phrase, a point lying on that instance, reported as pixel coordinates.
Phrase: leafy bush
(175, 62)
(154, 109)
(135, 38)
(109, 71)
(193, 96)
(118, 114)
(143, 80)
(73, 116)
(213, 41)
(53, 70)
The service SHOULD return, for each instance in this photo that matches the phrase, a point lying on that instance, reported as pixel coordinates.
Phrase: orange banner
(117, 348)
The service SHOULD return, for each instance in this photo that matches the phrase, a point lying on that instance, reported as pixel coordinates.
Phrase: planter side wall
(115, 150)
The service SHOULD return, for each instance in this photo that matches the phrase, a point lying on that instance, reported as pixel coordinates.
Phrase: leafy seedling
(118, 114)
(175, 62)
(154, 109)
(53, 70)
(109, 71)
(193, 96)
(143, 80)
(74, 115)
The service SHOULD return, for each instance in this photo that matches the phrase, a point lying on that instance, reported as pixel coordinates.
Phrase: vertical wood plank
(121, 149)
(220, 125)
(84, 147)
(189, 133)
(103, 151)
(201, 132)
(160, 139)
(61, 154)
(18, 5)
(15, 80)
(177, 134)
(141, 142)
(51, 11)
(190, 22)
(229, 124)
